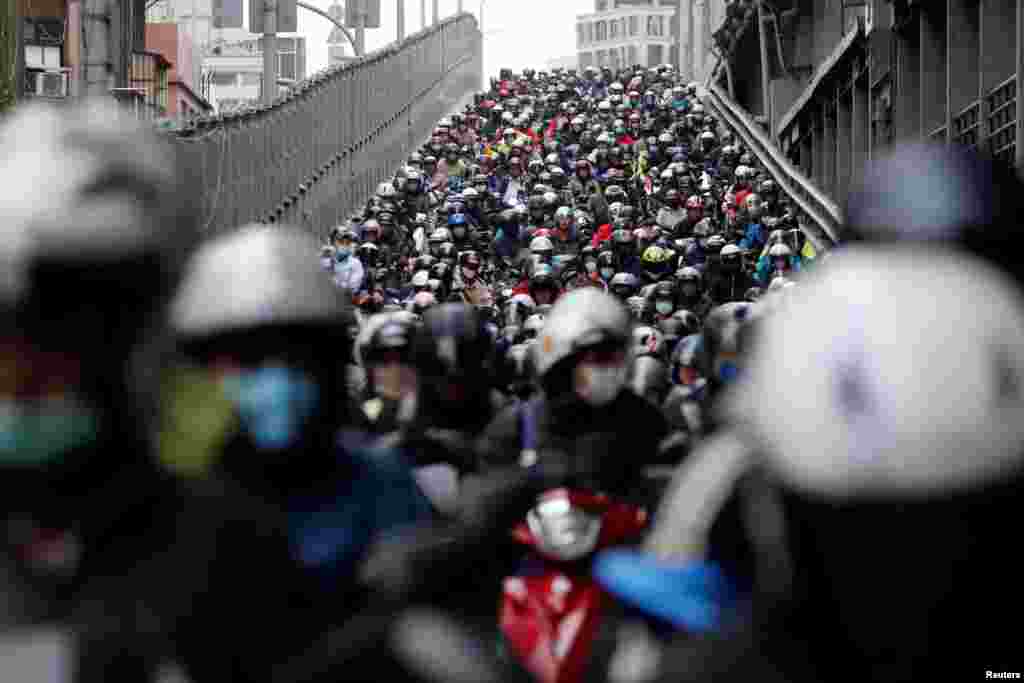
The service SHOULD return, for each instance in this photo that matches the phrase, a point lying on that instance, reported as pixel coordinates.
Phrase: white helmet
(583, 317)
(898, 396)
(541, 245)
(420, 279)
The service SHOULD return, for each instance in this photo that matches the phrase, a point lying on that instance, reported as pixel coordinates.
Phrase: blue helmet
(457, 219)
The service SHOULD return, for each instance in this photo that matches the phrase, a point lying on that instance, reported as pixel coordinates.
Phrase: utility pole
(436, 12)
(401, 20)
(97, 62)
(269, 50)
(423, 13)
(12, 72)
(460, 7)
(360, 13)
(765, 72)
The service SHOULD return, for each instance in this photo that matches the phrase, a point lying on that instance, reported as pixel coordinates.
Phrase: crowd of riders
(557, 181)
(223, 461)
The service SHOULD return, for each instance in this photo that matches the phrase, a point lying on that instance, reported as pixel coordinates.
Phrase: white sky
(518, 33)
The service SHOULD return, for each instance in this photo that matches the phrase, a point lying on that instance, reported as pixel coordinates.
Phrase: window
(651, 26)
(601, 5)
(286, 66)
(602, 31)
(225, 78)
(634, 25)
(251, 79)
(579, 35)
(613, 29)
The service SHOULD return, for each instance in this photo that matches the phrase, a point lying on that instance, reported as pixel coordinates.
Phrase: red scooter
(551, 614)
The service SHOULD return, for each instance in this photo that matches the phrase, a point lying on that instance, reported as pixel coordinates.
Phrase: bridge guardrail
(823, 217)
(313, 156)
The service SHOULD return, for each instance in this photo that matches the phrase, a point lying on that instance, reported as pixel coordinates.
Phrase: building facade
(226, 60)
(837, 83)
(567, 62)
(696, 21)
(196, 28)
(620, 33)
(71, 48)
(236, 67)
(183, 98)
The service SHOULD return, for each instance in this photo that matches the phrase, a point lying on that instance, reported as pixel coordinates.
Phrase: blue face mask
(43, 432)
(274, 403)
(342, 254)
(728, 372)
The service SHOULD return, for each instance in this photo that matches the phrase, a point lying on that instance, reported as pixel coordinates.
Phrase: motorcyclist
(673, 213)
(473, 289)
(111, 564)
(384, 350)
(581, 364)
(349, 273)
(692, 296)
(273, 351)
(731, 281)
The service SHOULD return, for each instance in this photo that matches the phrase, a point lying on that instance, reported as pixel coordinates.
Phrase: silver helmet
(255, 277)
(582, 318)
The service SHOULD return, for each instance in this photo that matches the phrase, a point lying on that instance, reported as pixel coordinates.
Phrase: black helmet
(453, 354)
(97, 220)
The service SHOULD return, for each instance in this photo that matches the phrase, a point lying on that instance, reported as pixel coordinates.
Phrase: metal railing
(315, 155)
(1001, 110)
(822, 217)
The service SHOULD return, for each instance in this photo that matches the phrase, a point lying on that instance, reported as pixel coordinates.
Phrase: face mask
(591, 266)
(342, 254)
(274, 403)
(607, 273)
(40, 432)
(664, 307)
(726, 368)
(598, 385)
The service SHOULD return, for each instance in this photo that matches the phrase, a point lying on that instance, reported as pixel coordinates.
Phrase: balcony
(147, 91)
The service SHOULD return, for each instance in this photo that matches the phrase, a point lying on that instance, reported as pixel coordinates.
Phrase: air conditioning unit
(53, 83)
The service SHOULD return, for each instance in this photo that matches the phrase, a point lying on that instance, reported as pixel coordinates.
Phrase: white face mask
(591, 266)
(598, 385)
(664, 307)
